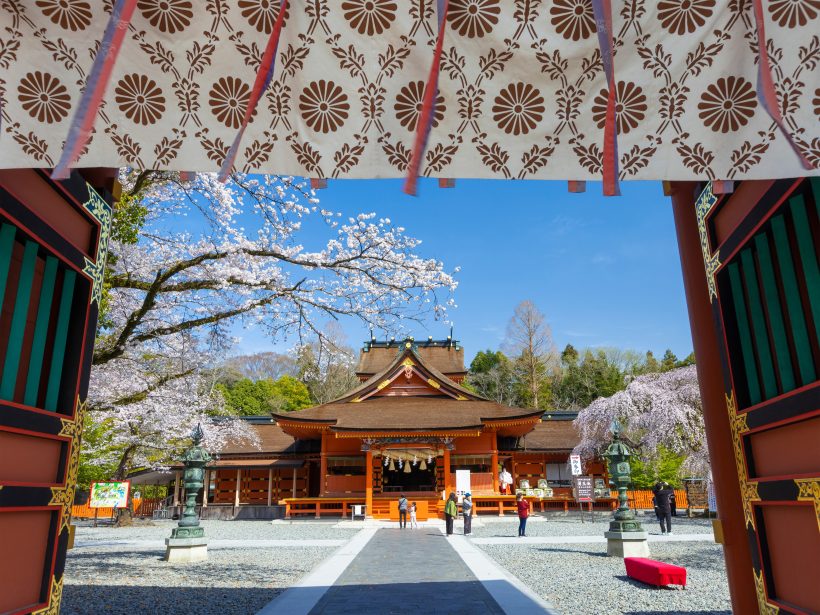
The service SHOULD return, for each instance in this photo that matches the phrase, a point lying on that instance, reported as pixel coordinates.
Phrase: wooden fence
(144, 507)
(642, 498)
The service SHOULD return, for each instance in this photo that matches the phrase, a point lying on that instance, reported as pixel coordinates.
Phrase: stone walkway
(407, 571)
(392, 571)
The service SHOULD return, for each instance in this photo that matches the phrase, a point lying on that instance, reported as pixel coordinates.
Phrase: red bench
(653, 572)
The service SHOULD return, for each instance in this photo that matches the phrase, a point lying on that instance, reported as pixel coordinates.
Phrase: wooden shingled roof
(408, 396)
(551, 436)
(448, 359)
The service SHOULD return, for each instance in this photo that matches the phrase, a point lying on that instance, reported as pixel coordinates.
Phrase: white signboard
(575, 464)
(462, 482)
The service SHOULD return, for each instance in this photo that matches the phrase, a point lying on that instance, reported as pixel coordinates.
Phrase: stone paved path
(407, 571)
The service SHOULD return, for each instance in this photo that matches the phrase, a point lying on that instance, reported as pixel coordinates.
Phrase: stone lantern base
(186, 545)
(626, 544)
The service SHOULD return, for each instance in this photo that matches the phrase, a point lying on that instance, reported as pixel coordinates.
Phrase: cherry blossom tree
(656, 411)
(191, 259)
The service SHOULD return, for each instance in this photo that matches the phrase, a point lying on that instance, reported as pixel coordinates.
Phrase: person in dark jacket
(663, 495)
(467, 511)
(402, 512)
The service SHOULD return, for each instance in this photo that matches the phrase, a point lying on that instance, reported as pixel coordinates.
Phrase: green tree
(651, 364)
(669, 361)
(569, 356)
(491, 376)
(246, 397)
(290, 394)
(666, 467)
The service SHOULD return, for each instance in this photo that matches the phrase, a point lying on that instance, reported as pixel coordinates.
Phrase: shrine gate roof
(524, 90)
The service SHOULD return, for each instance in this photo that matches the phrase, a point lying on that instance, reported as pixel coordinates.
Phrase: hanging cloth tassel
(263, 78)
(765, 84)
(83, 121)
(428, 106)
(603, 21)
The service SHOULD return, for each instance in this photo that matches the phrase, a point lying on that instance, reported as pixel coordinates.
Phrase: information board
(575, 465)
(584, 488)
(462, 483)
(109, 495)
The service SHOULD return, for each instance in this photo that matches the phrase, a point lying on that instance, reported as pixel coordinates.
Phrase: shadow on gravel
(634, 583)
(126, 600)
(677, 613)
(554, 549)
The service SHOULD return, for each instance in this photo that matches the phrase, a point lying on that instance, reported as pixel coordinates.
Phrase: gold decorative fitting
(53, 607)
(356, 400)
(408, 362)
(461, 398)
(433, 383)
(703, 206)
(101, 212)
(382, 384)
(808, 490)
(765, 607)
(748, 489)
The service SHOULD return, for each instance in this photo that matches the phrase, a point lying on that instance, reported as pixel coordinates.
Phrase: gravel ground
(240, 581)
(119, 580)
(222, 530)
(580, 579)
(558, 524)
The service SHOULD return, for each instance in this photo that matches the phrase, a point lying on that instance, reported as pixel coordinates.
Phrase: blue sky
(604, 271)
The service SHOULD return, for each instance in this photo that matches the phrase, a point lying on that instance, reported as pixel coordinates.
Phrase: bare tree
(328, 365)
(529, 342)
(263, 365)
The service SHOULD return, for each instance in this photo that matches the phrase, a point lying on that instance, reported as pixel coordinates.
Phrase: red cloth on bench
(653, 572)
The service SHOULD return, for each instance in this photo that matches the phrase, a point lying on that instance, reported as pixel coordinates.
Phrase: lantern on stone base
(187, 542)
(626, 536)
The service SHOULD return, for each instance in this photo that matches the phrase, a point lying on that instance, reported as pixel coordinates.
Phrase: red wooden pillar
(323, 466)
(368, 486)
(495, 462)
(710, 378)
(448, 485)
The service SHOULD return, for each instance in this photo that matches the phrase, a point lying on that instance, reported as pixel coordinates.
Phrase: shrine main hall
(409, 427)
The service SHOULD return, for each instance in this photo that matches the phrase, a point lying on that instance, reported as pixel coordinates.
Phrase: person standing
(413, 523)
(467, 511)
(402, 512)
(663, 495)
(505, 480)
(450, 513)
(523, 514)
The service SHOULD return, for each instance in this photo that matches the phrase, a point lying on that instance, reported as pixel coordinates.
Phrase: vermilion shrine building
(407, 428)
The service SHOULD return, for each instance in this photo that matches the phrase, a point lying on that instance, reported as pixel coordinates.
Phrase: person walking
(402, 512)
(663, 495)
(467, 511)
(414, 525)
(523, 514)
(450, 513)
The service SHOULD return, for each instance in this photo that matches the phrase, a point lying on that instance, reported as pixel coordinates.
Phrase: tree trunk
(124, 516)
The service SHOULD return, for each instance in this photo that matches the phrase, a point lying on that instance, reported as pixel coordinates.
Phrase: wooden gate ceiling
(522, 89)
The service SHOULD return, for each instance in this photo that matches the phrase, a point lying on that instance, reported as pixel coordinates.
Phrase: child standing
(413, 523)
